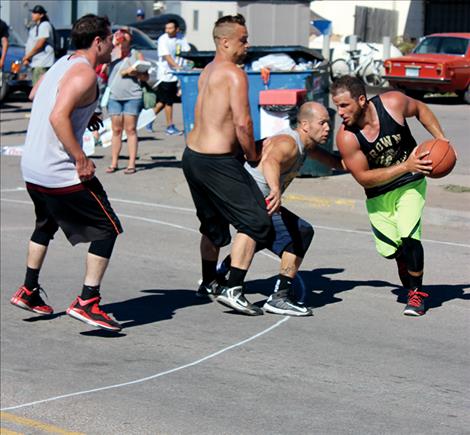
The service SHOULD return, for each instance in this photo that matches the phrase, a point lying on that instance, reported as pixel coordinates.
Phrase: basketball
(442, 155)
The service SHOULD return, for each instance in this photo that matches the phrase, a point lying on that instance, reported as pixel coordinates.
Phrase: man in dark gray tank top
(377, 147)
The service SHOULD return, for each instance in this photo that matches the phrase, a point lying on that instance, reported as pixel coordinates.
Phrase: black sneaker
(233, 297)
(280, 302)
(89, 311)
(415, 306)
(403, 272)
(31, 300)
(211, 290)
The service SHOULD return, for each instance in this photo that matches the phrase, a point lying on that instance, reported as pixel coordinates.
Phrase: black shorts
(82, 211)
(166, 93)
(225, 193)
(291, 234)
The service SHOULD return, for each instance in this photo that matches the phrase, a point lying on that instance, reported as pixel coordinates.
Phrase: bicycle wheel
(373, 74)
(339, 68)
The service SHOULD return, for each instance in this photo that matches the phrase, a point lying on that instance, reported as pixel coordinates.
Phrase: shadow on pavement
(156, 305)
(321, 290)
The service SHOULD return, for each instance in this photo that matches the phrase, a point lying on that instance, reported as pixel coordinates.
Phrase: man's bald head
(313, 123)
(310, 110)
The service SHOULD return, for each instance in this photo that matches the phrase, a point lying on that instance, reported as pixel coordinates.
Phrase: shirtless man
(60, 178)
(376, 145)
(223, 192)
(282, 157)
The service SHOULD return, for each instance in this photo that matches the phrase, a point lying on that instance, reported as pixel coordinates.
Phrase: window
(195, 20)
(442, 44)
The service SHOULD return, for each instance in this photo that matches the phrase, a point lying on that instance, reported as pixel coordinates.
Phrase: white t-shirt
(173, 47)
(45, 57)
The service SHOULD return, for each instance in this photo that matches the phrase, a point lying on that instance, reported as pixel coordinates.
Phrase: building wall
(341, 14)
(207, 12)
(268, 22)
(277, 24)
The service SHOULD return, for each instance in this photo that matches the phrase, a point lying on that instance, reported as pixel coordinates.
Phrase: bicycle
(368, 69)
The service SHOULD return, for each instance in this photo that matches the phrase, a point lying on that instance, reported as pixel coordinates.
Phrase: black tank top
(392, 146)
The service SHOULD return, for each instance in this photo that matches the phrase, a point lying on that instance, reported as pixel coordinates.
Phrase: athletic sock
(31, 278)
(283, 283)
(90, 291)
(236, 277)
(416, 281)
(209, 271)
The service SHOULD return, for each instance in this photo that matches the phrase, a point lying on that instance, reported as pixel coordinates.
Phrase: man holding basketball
(377, 147)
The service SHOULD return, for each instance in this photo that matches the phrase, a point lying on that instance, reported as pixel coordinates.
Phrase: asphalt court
(186, 366)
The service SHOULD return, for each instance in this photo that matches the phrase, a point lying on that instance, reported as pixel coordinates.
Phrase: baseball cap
(38, 9)
(140, 13)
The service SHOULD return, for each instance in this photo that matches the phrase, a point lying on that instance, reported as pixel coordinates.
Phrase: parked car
(16, 77)
(439, 63)
(140, 41)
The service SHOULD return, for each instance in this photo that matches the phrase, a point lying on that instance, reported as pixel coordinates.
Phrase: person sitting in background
(40, 44)
(125, 101)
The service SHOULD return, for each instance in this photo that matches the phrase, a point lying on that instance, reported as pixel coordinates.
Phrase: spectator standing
(40, 44)
(125, 101)
(170, 45)
(140, 15)
(4, 34)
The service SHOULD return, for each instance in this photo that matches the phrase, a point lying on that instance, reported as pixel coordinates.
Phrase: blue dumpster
(315, 81)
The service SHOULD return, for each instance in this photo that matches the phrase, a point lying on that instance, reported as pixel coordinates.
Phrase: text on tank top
(393, 145)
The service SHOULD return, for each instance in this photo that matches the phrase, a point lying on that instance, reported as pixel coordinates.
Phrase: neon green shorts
(396, 215)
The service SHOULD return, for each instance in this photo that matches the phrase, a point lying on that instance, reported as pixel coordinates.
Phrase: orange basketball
(442, 155)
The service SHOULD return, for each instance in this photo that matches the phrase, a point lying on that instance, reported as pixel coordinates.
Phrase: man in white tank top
(281, 160)
(60, 178)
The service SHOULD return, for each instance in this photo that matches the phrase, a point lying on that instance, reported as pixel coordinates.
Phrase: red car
(439, 63)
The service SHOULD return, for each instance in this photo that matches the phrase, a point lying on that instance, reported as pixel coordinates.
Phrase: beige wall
(341, 12)
(277, 24)
(208, 15)
(268, 23)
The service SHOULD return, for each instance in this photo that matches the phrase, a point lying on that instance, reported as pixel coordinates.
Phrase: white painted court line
(170, 207)
(157, 375)
(167, 372)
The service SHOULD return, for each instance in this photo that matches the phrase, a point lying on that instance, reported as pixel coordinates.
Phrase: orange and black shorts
(82, 211)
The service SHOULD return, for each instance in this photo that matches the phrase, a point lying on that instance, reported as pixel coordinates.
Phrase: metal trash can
(315, 82)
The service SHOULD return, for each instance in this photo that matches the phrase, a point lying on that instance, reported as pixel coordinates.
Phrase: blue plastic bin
(314, 81)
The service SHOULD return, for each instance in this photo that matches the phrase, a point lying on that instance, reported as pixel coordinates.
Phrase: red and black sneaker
(403, 271)
(31, 300)
(415, 305)
(89, 311)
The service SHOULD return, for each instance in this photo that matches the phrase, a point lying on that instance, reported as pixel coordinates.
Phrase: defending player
(60, 178)
(282, 157)
(223, 192)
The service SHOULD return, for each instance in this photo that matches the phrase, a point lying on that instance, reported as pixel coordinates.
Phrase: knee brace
(413, 254)
(43, 236)
(102, 248)
(299, 247)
